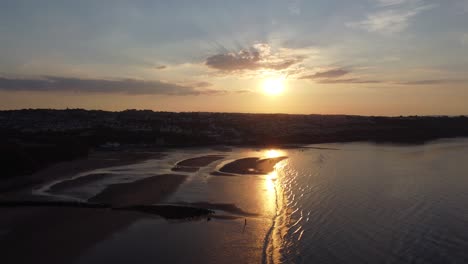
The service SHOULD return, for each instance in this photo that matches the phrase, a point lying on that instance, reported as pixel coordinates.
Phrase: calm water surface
(367, 203)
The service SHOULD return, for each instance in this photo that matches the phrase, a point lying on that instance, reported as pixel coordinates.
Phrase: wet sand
(217, 173)
(167, 211)
(200, 161)
(194, 164)
(226, 207)
(57, 235)
(61, 234)
(251, 166)
(96, 160)
(143, 192)
(78, 182)
(185, 169)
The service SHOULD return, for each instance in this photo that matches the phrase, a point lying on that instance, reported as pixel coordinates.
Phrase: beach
(143, 192)
(121, 204)
(56, 235)
(63, 170)
(194, 164)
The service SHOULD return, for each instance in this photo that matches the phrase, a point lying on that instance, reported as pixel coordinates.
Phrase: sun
(273, 86)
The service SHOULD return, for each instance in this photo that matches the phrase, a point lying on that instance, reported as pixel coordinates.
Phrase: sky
(364, 57)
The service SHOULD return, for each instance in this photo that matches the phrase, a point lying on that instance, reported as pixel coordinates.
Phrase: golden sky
(367, 57)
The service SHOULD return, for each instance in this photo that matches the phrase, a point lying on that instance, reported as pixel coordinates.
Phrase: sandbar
(147, 191)
(251, 165)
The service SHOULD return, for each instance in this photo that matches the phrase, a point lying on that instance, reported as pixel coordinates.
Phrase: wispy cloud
(432, 82)
(391, 2)
(357, 80)
(393, 17)
(202, 84)
(348, 81)
(334, 76)
(259, 56)
(342, 76)
(125, 86)
(334, 73)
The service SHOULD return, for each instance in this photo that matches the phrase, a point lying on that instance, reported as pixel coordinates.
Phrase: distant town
(49, 135)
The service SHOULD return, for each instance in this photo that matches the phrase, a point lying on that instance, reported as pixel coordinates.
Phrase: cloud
(299, 43)
(77, 85)
(432, 82)
(357, 80)
(243, 91)
(391, 2)
(347, 81)
(386, 22)
(259, 56)
(391, 21)
(202, 84)
(335, 73)
(333, 76)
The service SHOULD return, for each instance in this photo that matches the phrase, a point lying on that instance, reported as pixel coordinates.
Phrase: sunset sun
(273, 86)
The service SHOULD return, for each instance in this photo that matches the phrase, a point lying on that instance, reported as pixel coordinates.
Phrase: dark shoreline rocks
(164, 211)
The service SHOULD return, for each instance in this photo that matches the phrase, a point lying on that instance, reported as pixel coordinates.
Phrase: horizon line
(227, 112)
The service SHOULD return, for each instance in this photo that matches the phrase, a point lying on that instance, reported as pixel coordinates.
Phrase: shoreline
(97, 160)
(125, 203)
(63, 170)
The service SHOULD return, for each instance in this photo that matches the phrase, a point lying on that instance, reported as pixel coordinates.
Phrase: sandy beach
(63, 170)
(78, 182)
(143, 192)
(41, 228)
(199, 161)
(194, 164)
(56, 235)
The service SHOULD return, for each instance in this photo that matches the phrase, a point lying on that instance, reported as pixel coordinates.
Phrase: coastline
(63, 170)
(130, 203)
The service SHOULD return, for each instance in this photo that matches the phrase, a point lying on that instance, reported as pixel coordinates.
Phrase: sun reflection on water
(272, 182)
(269, 202)
(273, 202)
(273, 153)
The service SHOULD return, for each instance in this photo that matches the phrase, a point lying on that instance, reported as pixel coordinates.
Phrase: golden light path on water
(273, 153)
(271, 181)
(270, 187)
(274, 203)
